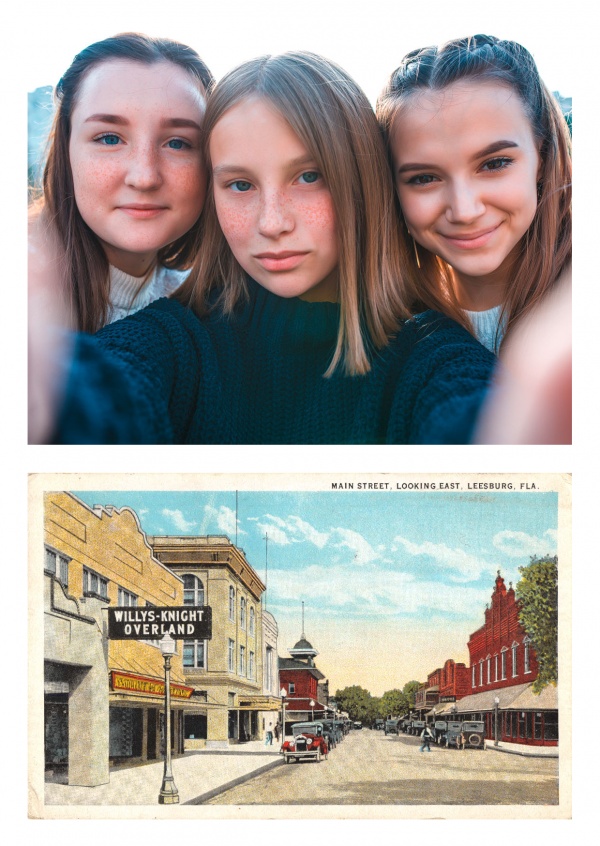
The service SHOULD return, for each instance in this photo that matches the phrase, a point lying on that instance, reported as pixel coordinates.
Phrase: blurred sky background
(367, 38)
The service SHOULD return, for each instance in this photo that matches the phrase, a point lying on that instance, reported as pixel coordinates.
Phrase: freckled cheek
(319, 217)
(94, 182)
(236, 223)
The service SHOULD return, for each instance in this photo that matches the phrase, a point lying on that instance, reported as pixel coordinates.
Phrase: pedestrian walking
(269, 736)
(426, 738)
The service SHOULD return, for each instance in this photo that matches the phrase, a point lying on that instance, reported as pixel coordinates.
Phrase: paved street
(368, 768)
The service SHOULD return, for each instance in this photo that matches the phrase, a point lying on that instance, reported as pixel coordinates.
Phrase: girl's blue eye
(109, 139)
(241, 185)
(178, 144)
(309, 177)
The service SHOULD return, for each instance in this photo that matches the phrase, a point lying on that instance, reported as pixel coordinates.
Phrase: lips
(471, 240)
(284, 260)
(142, 211)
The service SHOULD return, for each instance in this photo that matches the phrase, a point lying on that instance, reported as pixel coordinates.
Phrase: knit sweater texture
(163, 375)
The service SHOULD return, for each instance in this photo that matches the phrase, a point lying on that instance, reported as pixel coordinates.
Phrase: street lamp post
(168, 792)
(283, 694)
(312, 710)
(496, 703)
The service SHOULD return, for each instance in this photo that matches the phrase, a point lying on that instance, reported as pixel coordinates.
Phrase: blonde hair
(546, 247)
(334, 120)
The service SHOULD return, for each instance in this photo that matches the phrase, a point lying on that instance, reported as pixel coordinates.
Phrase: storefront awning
(257, 702)
(517, 697)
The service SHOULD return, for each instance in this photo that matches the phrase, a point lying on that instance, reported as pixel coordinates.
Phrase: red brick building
(303, 683)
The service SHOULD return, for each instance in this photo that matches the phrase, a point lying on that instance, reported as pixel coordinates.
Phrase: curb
(210, 794)
(522, 754)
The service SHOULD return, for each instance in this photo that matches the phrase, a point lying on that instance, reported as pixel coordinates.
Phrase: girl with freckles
(480, 153)
(293, 326)
(124, 182)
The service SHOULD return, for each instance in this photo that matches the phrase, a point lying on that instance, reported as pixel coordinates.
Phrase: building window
(94, 585)
(481, 672)
(251, 665)
(527, 660)
(126, 598)
(292, 687)
(193, 590)
(488, 662)
(57, 565)
(503, 659)
(242, 613)
(514, 659)
(232, 603)
(251, 621)
(495, 668)
(473, 679)
(242, 666)
(231, 656)
(194, 653)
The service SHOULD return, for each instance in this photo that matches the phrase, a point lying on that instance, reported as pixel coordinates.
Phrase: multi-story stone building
(228, 671)
(103, 699)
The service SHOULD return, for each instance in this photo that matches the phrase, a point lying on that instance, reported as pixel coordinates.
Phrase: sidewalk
(198, 776)
(522, 749)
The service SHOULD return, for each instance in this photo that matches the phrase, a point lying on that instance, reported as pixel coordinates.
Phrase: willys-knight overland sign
(189, 622)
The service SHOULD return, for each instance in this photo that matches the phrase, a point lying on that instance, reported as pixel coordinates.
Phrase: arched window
(232, 603)
(527, 658)
(193, 590)
(242, 613)
(503, 661)
(252, 621)
(514, 658)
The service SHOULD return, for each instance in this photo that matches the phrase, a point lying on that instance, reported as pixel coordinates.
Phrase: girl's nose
(464, 204)
(144, 173)
(275, 215)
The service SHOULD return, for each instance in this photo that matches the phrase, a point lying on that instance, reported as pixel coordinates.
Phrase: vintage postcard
(379, 646)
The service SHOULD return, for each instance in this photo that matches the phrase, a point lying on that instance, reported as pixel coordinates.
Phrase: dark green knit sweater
(164, 376)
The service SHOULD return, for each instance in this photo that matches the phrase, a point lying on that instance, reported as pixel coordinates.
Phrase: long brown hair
(546, 247)
(334, 120)
(88, 270)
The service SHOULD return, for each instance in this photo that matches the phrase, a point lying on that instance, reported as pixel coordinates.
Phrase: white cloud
(462, 565)
(354, 591)
(356, 543)
(178, 520)
(522, 545)
(225, 519)
(308, 532)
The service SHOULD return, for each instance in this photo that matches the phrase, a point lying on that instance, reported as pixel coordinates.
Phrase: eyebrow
(291, 165)
(495, 147)
(119, 120)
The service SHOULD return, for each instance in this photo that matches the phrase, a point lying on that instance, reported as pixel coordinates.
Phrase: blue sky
(393, 582)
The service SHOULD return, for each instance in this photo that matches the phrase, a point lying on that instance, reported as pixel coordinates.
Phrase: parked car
(308, 742)
(379, 724)
(417, 727)
(439, 729)
(391, 727)
(453, 734)
(473, 733)
(357, 724)
(332, 733)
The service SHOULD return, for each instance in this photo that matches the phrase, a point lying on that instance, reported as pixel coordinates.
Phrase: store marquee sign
(130, 683)
(189, 622)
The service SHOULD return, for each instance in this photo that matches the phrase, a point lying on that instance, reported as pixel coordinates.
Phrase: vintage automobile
(464, 735)
(439, 729)
(357, 724)
(391, 727)
(473, 734)
(332, 733)
(379, 724)
(308, 742)
(417, 727)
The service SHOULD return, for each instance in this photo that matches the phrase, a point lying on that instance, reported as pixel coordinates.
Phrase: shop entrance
(56, 738)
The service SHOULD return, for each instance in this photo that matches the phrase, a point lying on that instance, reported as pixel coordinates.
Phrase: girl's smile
(466, 168)
(135, 154)
(273, 205)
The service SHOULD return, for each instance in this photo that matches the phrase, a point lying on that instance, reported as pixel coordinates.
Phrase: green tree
(357, 702)
(537, 594)
(409, 690)
(393, 703)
